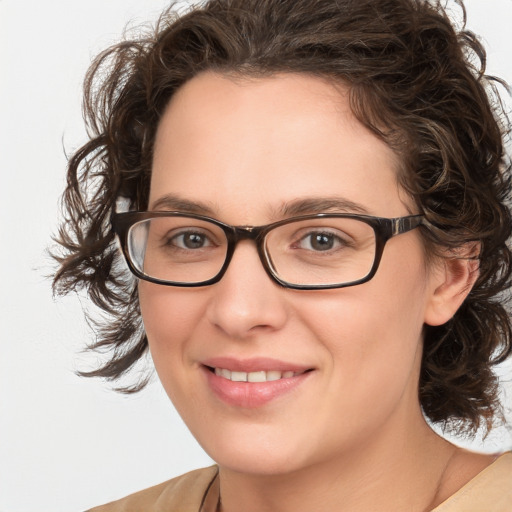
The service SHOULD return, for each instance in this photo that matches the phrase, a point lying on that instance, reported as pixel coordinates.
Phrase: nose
(246, 301)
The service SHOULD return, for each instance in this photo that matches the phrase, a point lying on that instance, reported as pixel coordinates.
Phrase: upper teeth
(261, 376)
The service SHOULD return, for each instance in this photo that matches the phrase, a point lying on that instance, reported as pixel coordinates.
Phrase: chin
(255, 464)
(258, 456)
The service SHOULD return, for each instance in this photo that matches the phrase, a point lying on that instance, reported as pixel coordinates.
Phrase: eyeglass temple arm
(404, 224)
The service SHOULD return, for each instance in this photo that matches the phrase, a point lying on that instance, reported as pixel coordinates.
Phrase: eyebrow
(320, 205)
(171, 202)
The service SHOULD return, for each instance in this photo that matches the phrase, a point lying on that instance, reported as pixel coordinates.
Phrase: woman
(317, 231)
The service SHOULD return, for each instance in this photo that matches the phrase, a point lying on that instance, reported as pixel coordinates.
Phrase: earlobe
(453, 279)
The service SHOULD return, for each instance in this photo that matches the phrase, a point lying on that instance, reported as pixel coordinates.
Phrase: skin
(352, 432)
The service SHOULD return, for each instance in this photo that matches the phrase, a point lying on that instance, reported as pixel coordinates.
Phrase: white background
(68, 443)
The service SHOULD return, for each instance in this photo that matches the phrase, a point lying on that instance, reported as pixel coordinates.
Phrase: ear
(452, 277)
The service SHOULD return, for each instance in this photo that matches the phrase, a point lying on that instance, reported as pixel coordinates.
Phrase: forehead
(255, 143)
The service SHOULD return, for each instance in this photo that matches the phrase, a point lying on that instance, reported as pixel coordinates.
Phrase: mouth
(255, 376)
(253, 383)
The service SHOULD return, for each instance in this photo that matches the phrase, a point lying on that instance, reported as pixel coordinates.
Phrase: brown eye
(321, 242)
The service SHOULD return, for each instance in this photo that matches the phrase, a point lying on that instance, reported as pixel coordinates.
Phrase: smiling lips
(246, 384)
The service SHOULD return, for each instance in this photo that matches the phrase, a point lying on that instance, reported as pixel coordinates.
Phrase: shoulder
(490, 490)
(186, 491)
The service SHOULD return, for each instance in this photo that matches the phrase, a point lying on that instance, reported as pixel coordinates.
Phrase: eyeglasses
(309, 252)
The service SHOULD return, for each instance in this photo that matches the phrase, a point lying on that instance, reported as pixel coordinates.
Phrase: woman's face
(244, 151)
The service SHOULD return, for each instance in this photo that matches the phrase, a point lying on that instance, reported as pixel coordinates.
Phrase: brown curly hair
(414, 80)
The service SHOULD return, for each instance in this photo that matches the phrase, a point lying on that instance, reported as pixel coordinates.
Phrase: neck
(400, 469)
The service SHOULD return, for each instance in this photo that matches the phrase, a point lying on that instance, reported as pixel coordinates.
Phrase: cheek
(365, 336)
(373, 332)
(168, 312)
(170, 316)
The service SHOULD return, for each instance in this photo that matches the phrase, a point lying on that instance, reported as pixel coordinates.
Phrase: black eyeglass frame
(384, 228)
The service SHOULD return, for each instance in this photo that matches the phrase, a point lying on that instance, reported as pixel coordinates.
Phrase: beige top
(198, 491)
(489, 491)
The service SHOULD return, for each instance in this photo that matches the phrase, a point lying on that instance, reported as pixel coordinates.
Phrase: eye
(320, 241)
(190, 240)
